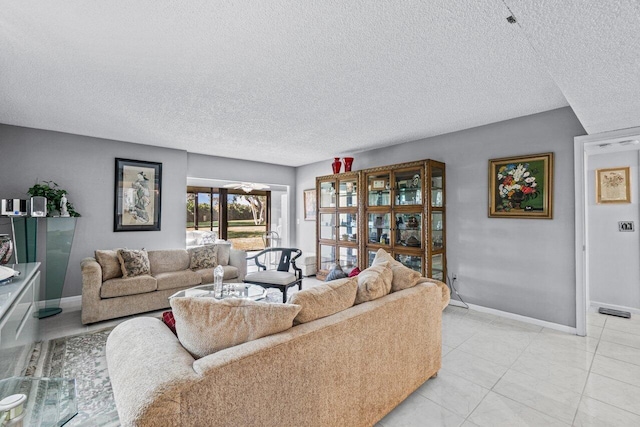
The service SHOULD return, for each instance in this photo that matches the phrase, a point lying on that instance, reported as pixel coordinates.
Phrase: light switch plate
(625, 226)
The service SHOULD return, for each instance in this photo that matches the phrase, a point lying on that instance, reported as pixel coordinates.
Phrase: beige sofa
(348, 369)
(118, 297)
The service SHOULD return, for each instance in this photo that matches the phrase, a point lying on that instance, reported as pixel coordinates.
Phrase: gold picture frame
(521, 187)
(613, 185)
(310, 205)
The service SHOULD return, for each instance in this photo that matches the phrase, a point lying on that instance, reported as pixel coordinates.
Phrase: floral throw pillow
(134, 262)
(204, 257)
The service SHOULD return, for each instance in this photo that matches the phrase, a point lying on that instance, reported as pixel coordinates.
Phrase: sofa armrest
(149, 370)
(91, 283)
(238, 259)
(446, 292)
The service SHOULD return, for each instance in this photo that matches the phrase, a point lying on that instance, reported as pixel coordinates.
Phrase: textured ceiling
(292, 82)
(592, 51)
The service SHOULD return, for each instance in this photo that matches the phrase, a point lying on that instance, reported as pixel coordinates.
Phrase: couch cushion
(403, 276)
(224, 253)
(374, 282)
(109, 263)
(177, 279)
(168, 260)
(206, 274)
(335, 273)
(207, 325)
(134, 262)
(128, 286)
(272, 277)
(203, 257)
(324, 300)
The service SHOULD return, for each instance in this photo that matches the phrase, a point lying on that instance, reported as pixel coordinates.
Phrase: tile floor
(501, 372)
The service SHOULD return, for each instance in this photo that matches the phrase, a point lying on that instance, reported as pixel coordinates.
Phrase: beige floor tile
(550, 399)
(616, 393)
(498, 411)
(620, 337)
(453, 392)
(631, 326)
(616, 369)
(560, 353)
(619, 352)
(557, 373)
(477, 370)
(418, 411)
(593, 413)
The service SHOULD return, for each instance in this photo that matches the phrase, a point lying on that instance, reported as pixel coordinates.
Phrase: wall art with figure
(521, 187)
(137, 195)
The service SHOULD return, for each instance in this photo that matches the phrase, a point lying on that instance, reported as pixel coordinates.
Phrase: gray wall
(519, 266)
(84, 166)
(614, 272)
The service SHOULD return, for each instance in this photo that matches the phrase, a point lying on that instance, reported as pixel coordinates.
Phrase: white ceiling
(291, 82)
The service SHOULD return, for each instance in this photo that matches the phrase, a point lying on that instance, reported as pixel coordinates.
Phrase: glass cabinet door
(327, 256)
(379, 228)
(328, 226)
(327, 194)
(348, 227)
(411, 261)
(437, 187)
(409, 229)
(348, 193)
(370, 257)
(408, 187)
(437, 227)
(437, 270)
(348, 258)
(378, 190)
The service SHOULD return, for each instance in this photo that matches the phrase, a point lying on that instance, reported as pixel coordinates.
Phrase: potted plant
(54, 195)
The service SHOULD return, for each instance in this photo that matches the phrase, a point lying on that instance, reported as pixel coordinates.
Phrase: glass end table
(51, 402)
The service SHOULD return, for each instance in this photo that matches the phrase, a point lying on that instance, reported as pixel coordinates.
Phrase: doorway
(606, 258)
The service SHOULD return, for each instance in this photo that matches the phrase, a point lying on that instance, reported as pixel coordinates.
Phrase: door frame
(585, 146)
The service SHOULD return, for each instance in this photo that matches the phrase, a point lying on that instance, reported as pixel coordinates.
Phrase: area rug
(81, 357)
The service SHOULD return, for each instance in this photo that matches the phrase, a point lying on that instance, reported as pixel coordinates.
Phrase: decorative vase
(337, 164)
(347, 163)
(516, 199)
(6, 248)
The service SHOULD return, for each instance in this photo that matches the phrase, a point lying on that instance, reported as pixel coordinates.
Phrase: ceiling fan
(247, 187)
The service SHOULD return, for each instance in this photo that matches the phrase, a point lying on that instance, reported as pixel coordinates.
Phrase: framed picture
(521, 187)
(137, 195)
(378, 184)
(310, 205)
(613, 185)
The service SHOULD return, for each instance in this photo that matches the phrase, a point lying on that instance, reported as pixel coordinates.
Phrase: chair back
(285, 258)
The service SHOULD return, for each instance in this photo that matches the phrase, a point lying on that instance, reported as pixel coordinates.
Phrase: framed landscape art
(137, 195)
(613, 186)
(521, 187)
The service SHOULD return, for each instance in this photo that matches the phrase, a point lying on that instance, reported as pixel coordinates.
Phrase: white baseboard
(597, 304)
(66, 304)
(525, 319)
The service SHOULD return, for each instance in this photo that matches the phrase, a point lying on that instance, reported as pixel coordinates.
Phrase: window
(242, 218)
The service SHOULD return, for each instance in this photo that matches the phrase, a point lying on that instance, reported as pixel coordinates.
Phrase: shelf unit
(401, 209)
(337, 221)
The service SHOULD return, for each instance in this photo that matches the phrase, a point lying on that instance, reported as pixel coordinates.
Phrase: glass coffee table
(50, 401)
(235, 290)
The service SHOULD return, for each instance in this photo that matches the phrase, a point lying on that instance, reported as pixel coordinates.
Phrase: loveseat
(349, 368)
(107, 295)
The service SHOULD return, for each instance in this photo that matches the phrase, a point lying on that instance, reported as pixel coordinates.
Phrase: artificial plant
(53, 193)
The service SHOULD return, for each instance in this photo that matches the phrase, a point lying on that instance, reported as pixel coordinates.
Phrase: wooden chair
(281, 278)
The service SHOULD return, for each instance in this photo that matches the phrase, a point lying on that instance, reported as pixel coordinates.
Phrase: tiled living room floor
(500, 372)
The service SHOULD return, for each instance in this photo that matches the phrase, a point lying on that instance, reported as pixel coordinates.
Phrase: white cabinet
(18, 318)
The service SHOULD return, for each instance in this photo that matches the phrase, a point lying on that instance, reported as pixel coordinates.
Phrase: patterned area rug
(81, 357)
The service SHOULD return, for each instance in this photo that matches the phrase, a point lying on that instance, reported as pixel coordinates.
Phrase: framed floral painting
(521, 187)
(310, 205)
(612, 185)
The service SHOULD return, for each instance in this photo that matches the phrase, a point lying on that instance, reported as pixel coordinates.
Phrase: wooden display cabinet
(337, 221)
